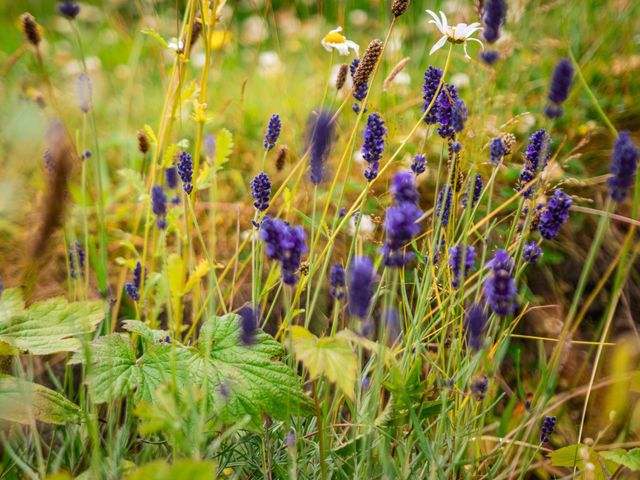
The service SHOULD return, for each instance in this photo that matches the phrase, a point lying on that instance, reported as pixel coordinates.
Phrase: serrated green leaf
(46, 327)
(149, 32)
(246, 380)
(629, 459)
(330, 357)
(224, 147)
(142, 329)
(21, 400)
(116, 372)
(180, 470)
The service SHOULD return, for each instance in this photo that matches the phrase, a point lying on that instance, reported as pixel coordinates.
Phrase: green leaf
(224, 147)
(149, 32)
(116, 372)
(330, 357)
(45, 327)
(180, 470)
(245, 380)
(629, 459)
(21, 400)
(583, 457)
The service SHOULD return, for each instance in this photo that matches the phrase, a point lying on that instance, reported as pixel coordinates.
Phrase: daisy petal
(445, 25)
(437, 21)
(439, 44)
(354, 46)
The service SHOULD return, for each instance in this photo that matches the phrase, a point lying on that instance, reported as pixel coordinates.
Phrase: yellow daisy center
(334, 37)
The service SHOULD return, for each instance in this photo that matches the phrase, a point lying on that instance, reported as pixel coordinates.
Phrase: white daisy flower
(335, 39)
(460, 33)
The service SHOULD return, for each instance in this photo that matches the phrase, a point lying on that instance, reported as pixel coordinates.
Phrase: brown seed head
(281, 158)
(143, 141)
(398, 7)
(509, 139)
(31, 29)
(196, 31)
(394, 73)
(342, 76)
(368, 63)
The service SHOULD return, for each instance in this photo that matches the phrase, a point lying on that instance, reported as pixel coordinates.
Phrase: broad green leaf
(245, 380)
(21, 400)
(330, 357)
(180, 470)
(115, 371)
(224, 146)
(583, 457)
(142, 329)
(629, 459)
(155, 35)
(45, 327)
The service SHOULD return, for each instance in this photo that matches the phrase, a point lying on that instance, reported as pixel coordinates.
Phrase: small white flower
(335, 39)
(460, 33)
(176, 45)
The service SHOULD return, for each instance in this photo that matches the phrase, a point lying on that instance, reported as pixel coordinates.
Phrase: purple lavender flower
(159, 205)
(496, 150)
(84, 91)
(133, 288)
(456, 262)
(443, 208)
(337, 279)
(403, 188)
(489, 56)
(320, 138)
(500, 288)
(432, 79)
(547, 428)
(171, 177)
(68, 9)
(361, 279)
(419, 164)
(479, 387)
(555, 214)
(401, 226)
(185, 170)
(284, 243)
(261, 191)
(624, 163)
(536, 156)
(476, 321)
(273, 132)
(495, 12)
(361, 90)
(477, 191)
(248, 325)
(373, 144)
(532, 252)
(559, 90)
(459, 115)
(456, 146)
(210, 146)
(447, 100)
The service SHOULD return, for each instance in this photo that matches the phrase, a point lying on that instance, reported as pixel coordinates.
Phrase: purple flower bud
(475, 320)
(403, 188)
(500, 288)
(555, 214)
(273, 132)
(261, 191)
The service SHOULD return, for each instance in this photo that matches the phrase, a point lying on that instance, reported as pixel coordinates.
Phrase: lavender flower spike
(559, 90)
(373, 144)
(159, 205)
(185, 170)
(320, 138)
(500, 288)
(624, 164)
(361, 280)
(555, 214)
(273, 132)
(261, 191)
(403, 188)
